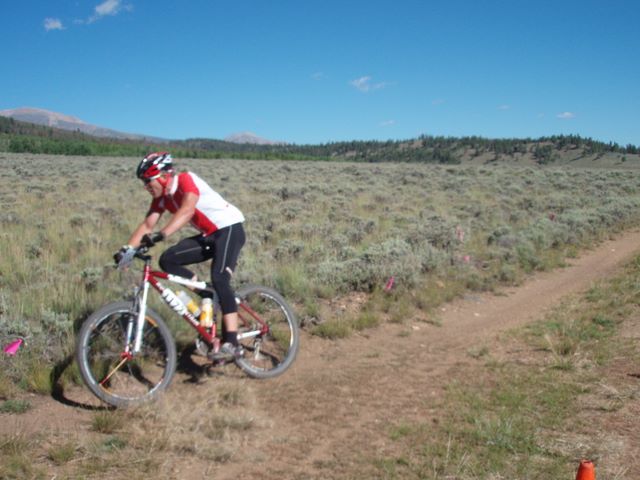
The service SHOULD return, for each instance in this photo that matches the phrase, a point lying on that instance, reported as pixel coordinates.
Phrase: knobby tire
(271, 354)
(116, 380)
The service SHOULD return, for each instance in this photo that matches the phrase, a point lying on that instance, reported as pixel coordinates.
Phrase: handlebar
(127, 256)
(141, 253)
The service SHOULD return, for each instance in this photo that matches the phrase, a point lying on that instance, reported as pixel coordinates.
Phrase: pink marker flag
(13, 347)
(389, 284)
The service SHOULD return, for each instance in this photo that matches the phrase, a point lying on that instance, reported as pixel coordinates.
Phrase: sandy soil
(335, 404)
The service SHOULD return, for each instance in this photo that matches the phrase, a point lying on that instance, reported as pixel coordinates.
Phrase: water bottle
(191, 305)
(206, 313)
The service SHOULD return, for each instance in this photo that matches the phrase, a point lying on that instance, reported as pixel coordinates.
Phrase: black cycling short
(223, 247)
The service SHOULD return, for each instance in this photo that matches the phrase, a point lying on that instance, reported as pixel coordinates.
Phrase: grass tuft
(108, 422)
(15, 406)
(64, 453)
(332, 329)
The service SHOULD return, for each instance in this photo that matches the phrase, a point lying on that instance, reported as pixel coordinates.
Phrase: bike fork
(142, 312)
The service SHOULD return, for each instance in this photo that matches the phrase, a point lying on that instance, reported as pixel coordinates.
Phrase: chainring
(203, 348)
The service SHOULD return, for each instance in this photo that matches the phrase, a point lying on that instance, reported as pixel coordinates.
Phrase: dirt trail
(335, 405)
(341, 397)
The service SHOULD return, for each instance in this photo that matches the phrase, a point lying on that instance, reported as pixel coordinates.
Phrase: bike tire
(268, 355)
(99, 348)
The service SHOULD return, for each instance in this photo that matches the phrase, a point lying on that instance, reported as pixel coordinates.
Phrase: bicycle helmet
(153, 165)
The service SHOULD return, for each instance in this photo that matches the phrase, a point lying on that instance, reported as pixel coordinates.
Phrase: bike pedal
(219, 356)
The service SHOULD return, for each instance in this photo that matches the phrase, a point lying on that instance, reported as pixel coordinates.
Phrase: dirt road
(342, 396)
(335, 404)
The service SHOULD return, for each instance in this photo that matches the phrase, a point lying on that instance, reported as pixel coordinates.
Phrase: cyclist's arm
(145, 227)
(183, 215)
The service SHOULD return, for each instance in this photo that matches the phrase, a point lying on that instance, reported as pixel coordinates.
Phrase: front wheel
(112, 375)
(268, 331)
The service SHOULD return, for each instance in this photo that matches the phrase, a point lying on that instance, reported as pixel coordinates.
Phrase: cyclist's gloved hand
(150, 239)
(124, 256)
(119, 254)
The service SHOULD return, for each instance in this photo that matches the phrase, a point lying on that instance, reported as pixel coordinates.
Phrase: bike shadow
(195, 372)
(58, 391)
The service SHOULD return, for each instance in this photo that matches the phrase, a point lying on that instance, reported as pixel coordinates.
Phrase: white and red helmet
(153, 165)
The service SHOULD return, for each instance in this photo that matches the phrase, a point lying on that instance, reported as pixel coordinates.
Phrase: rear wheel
(271, 352)
(110, 374)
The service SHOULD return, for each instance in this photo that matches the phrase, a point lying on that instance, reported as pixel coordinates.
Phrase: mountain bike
(127, 355)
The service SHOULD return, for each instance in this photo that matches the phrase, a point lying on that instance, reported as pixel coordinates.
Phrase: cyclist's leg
(227, 244)
(186, 252)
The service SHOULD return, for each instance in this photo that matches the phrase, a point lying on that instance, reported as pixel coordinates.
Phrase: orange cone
(586, 471)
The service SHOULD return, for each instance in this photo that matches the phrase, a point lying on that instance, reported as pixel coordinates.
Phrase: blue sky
(312, 71)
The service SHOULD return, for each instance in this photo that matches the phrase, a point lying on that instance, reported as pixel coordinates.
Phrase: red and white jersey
(212, 211)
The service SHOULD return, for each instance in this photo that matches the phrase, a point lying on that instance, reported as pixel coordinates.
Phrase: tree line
(23, 137)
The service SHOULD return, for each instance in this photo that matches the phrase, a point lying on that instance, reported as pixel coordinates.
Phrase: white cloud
(388, 123)
(52, 24)
(318, 75)
(566, 115)
(108, 8)
(361, 83)
(504, 107)
(364, 84)
(438, 101)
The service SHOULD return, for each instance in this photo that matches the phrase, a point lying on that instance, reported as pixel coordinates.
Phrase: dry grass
(217, 424)
(211, 426)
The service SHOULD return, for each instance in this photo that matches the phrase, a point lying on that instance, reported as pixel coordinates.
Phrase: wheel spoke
(121, 378)
(110, 374)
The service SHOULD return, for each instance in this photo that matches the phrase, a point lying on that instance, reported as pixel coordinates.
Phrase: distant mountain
(48, 118)
(249, 137)
(67, 122)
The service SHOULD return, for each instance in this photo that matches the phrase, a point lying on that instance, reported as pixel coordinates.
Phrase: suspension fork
(142, 313)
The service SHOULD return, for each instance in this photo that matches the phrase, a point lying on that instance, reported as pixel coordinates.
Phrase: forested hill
(21, 137)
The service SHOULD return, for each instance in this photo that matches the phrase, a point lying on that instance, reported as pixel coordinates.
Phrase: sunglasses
(147, 181)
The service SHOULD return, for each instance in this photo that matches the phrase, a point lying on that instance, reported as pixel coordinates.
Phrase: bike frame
(150, 278)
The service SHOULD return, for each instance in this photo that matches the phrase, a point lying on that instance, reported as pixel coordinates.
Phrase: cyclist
(221, 235)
